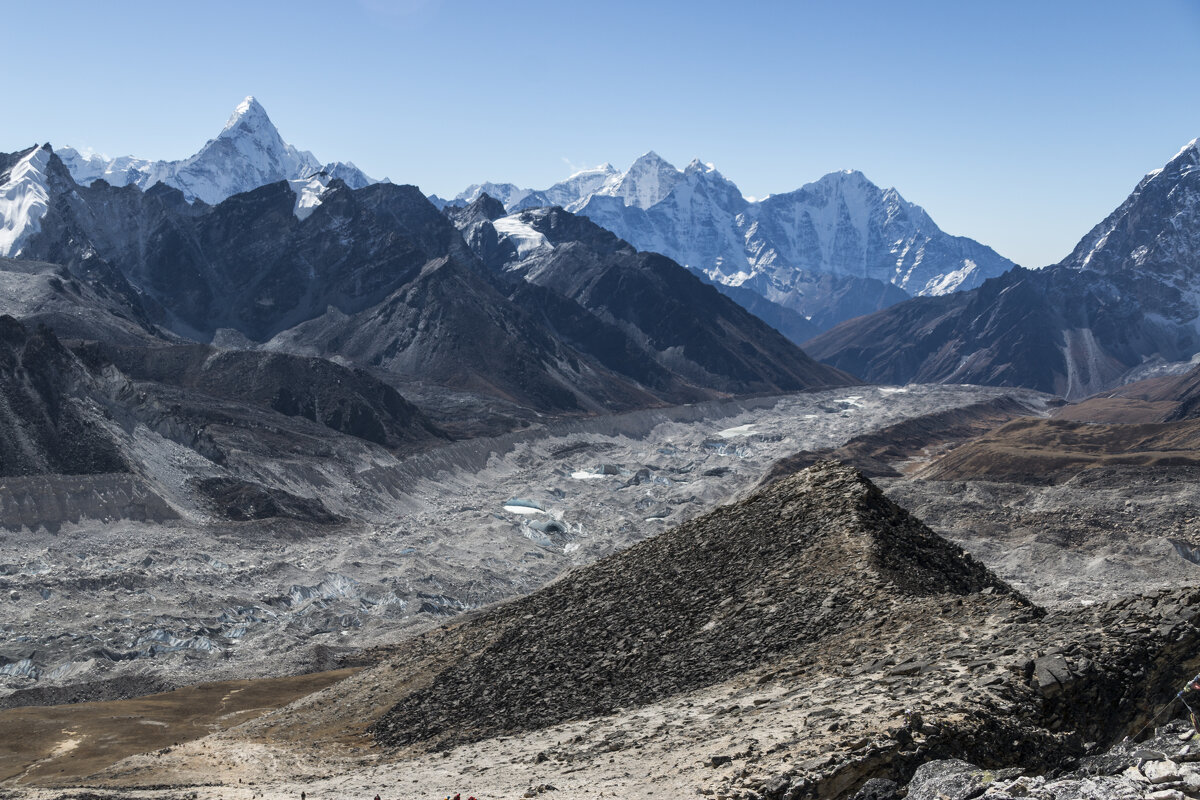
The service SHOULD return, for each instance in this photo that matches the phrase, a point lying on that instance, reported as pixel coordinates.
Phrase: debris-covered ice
(186, 599)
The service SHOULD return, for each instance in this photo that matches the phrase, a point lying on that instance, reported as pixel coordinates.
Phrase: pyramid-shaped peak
(249, 113)
(650, 179)
(651, 159)
(485, 206)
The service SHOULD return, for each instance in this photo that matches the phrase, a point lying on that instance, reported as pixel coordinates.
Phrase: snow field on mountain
(24, 200)
(524, 237)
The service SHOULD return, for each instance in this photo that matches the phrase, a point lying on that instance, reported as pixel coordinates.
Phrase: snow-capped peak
(647, 182)
(249, 112)
(248, 153)
(24, 200)
(702, 167)
(1172, 192)
(650, 160)
(841, 225)
(575, 190)
(507, 193)
(844, 178)
(1187, 159)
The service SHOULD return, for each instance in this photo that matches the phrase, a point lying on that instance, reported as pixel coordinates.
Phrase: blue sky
(1020, 124)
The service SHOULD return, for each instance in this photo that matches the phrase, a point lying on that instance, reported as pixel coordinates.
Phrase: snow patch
(949, 281)
(526, 510)
(524, 237)
(584, 475)
(737, 431)
(308, 193)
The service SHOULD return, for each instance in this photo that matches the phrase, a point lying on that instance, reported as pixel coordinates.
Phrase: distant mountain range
(831, 250)
(570, 298)
(247, 153)
(378, 278)
(1124, 300)
(803, 261)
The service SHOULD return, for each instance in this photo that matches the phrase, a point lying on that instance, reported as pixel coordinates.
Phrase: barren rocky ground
(898, 677)
(980, 677)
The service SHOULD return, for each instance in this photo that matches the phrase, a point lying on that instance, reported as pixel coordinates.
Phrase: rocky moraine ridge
(816, 577)
(813, 640)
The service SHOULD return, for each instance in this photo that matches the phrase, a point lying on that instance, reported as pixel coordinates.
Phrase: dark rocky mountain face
(380, 277)
(474, 221)
(484, 208)
(1056, 330)
(452, 327)
(681, 323)
(346, 400)
(83, 306)
(249, 263)
(101, 409)
(792, 324)
(46, 425)
(1123, 297)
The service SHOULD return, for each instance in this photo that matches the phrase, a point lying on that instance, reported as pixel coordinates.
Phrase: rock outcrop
(47, 424)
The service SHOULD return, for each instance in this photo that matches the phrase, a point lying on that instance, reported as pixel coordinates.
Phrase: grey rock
(947, 780)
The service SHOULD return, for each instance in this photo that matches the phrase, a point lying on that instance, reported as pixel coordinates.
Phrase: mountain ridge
(1121, 301)
(826, 256)
(686, 609)
(805, 250)
(380, 277)
(247, 153)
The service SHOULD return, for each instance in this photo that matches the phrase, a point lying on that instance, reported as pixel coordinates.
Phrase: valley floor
(474, 531)
(130, 607)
